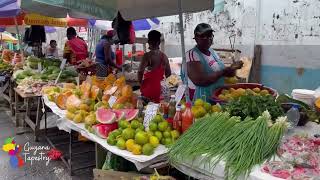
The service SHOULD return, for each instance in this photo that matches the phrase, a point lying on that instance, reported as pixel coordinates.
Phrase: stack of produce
(87, 103)
(5, 67)
(300, 157)
(201, 108)
(32, 62)
(7, 55)
(136, 139)
(240, 144)
(253, 106)
(49, 74)
(235, 93)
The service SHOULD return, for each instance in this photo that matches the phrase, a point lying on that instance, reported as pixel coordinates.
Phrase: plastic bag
(107, 163)
(317, 92)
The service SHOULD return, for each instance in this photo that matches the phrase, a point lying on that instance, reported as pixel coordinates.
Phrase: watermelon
(105, 116)
(129, 114)
(103, 130)
(120, 114)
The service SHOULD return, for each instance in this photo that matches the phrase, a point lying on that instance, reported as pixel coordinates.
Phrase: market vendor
(52, 50)
(75, 48)
(205, 70)
(105, 57)
(153, 67)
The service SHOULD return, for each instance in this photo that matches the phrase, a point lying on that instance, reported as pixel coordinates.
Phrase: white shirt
(192, 55)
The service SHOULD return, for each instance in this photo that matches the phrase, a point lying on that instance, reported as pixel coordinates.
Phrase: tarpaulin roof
(9, 8)
(129, 9)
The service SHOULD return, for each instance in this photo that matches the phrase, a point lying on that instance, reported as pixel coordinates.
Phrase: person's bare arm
(167, 66)
(107, 55)
(199, 77)
(142, 67)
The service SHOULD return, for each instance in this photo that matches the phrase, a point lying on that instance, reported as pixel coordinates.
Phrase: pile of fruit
(32, 62)
(136, 139)
(201, 108)
(49, 74)
(5, 67)
(232, 93)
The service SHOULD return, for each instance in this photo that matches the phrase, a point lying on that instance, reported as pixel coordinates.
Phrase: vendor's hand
(237, 65)
(229, 72)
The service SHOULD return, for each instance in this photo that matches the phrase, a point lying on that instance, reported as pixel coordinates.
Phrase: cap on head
(202, 28)
(110, 33)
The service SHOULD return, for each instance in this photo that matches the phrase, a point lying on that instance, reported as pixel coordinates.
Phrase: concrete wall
(288, 30)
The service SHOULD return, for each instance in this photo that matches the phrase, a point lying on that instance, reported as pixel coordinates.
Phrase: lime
(128, 133)
(199, 102)
(123, 124)
(135, 124)
(158, 118)
(150, 133)
(207, 106)
(166, 134)
(158, 134)
(162, 126)
(111, 141)
(163, 141)
(121, 143)
(141, 138)
(129, 144)
(147, 149)
(153, 126)
(139, 130)
(167, 141)
(175, 134)
(117, 132)
(154, 141)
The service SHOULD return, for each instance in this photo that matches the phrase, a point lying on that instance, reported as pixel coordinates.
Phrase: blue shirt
(100, 56)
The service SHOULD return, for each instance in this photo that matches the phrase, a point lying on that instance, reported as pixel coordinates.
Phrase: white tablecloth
(140, 161)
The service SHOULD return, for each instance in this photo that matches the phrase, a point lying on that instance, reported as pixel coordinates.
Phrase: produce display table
(27, 98)
(140, 161)
(205, 171)
(6, 90)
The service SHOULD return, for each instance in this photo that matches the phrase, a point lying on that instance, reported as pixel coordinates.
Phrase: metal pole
(183, 49)
(19, 39)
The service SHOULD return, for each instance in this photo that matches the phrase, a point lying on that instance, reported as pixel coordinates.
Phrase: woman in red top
(75, 49)
(153, 67)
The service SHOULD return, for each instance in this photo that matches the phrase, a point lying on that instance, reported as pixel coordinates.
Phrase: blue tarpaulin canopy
(9, 8)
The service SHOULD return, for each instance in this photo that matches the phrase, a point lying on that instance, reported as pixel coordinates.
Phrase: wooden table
(34, 125)
(6, 91)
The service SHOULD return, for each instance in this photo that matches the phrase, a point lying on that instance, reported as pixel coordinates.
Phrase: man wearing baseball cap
(205, 70)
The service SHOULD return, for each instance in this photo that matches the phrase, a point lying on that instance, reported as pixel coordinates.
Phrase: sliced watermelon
(103, 130)
(119, 114)
(132, 114)
(129, 114)
(105, 116)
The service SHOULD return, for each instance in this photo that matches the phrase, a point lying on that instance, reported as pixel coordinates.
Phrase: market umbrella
(145, 24)
(130, 9)
(9, 8)
(51, 8)
(142, 24)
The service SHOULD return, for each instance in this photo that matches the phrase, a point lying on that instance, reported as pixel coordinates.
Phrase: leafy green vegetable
(254, 106)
